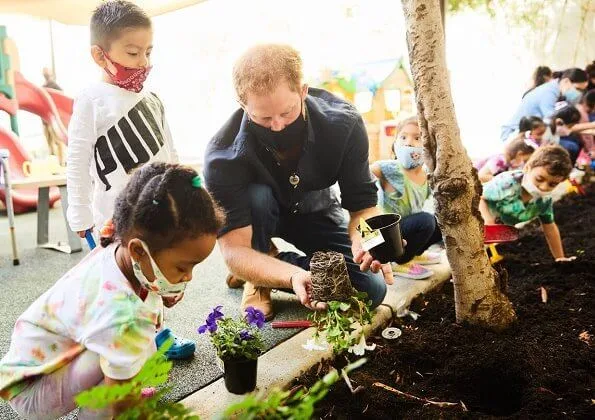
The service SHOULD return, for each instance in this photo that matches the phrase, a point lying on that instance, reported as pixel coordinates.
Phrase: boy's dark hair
(575, 75)
(554, 158)
(588, 98)
(112, 17)
(568, 114)
(520, 144)
(530, 123)
(161, 206)
(540, 74)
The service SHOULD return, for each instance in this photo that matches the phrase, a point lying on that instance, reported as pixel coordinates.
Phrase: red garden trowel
(497, 234)
(291, 324)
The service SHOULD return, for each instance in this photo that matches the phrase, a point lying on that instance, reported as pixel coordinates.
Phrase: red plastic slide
(63, 104)
(39, 101)
(23, 200)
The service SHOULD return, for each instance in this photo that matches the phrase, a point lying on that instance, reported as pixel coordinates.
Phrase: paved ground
(40, 268)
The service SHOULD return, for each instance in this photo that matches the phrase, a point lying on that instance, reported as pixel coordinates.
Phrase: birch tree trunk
(479, 297)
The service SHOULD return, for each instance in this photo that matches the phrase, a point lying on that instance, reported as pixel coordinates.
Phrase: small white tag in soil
(391, 333)
(372, 239)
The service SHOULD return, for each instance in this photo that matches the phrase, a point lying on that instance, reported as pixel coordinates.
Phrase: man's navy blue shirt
(335, 150)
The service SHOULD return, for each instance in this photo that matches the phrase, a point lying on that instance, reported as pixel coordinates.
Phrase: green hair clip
(197, 181)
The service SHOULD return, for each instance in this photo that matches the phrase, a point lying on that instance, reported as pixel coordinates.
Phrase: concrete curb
(280, 365)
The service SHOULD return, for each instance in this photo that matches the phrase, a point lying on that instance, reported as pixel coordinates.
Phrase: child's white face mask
(160, 285)
(530, 187)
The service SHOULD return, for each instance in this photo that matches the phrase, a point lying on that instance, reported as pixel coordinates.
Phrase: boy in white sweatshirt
(116, 126)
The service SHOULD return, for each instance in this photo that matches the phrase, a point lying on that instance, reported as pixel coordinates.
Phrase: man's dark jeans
(320, 231)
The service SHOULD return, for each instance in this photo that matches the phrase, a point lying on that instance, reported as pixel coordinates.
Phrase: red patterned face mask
(128, 78)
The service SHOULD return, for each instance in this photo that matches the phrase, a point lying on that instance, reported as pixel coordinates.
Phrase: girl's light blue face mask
(573, 95)
(409, 157)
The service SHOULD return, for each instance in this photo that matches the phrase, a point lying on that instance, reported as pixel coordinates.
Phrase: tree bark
(479, 296)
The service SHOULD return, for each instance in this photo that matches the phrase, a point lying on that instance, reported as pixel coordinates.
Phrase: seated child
(522, 195)
(532, 128)
(98, 322)
(403, 190)
(563, 122)
(586, 107)
(516, 153)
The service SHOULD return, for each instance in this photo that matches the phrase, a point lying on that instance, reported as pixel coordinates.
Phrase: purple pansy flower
(245, 335)
(210, 324)
(254, 317)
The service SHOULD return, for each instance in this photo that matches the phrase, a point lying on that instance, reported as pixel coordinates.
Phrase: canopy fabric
(78, 12)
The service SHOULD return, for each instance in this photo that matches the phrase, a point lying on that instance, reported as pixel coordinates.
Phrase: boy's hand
(565, 259)
(82, 233)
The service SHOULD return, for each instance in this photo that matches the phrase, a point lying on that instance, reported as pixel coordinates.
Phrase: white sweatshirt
(111, 132)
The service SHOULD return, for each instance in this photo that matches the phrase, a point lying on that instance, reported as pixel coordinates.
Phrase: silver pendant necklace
(294, 180)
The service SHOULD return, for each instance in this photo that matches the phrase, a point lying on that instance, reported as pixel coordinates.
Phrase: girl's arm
(554, 241)
(375, 169)
(577, 128)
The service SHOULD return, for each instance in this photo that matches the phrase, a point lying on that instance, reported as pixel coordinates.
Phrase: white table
(43, 184)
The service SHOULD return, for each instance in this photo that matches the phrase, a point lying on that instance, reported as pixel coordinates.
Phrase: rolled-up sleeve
(227, 181)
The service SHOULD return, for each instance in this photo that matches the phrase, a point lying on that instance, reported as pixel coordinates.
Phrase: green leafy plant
(235, 339)
(341, 319)
(154, 373)
(279, 404)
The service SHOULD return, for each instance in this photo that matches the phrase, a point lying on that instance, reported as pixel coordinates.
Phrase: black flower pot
(240, 375)
(392, 248)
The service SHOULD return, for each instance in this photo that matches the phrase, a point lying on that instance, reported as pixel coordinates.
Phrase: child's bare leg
(488, 217)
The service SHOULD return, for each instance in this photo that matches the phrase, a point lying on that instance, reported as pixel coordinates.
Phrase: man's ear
(304, 92)
(98, 56)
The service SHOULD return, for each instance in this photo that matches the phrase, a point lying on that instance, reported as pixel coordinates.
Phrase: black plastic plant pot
(240, 375)
(389, 226)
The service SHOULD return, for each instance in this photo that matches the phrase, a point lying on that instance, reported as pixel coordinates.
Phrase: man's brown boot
(234, 282)
(259, 298)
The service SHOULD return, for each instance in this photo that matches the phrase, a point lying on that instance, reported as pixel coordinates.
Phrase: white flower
(404, 312)
(315, 344)
(360, 348)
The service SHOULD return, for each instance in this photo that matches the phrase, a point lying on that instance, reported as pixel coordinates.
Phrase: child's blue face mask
(409, 157)
(573, 95)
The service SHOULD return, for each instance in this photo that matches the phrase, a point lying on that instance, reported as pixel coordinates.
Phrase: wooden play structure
(383, 93)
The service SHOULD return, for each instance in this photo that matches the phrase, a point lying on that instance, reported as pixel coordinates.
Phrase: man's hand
(169, 301)
(301, 282)
(367, 262)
